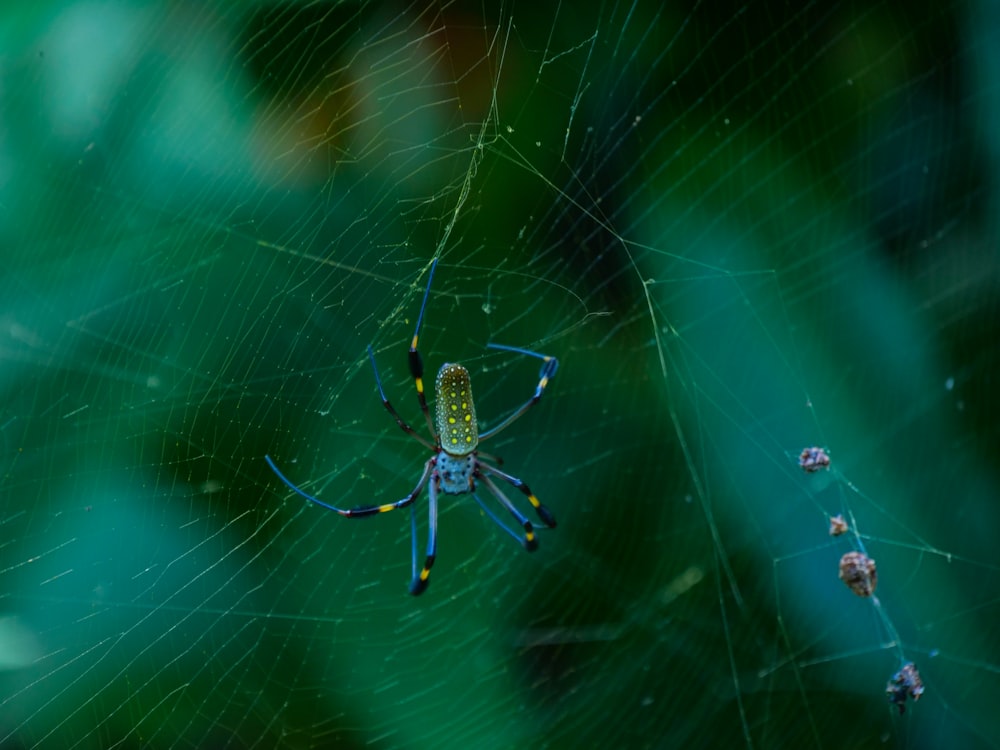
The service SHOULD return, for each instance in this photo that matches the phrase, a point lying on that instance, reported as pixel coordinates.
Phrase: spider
(456, 466)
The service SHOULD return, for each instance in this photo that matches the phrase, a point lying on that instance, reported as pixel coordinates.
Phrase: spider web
(743, 230)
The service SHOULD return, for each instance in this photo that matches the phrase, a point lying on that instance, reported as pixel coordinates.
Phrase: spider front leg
(530, 542)
(543, 513)
(419, 583)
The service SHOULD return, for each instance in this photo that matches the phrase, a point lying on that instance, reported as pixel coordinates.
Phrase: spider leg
(395, 415)
(413, 541)
(549, 367)
(496, 519)
(543, 513)
(364, 510)
(490, 457)
(530, 542)
(419, 583)
(415, 361)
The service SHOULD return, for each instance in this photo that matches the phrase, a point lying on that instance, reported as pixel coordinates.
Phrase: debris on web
(906, 683)
(813, 459)
(859, 573)
(857, 570)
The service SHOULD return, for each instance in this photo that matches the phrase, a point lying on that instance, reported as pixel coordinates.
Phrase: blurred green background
(743, 228)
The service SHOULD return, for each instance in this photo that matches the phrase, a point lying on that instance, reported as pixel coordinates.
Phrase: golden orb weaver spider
(455, 468)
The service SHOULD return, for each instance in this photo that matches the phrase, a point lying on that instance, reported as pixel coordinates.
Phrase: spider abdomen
(455, 412)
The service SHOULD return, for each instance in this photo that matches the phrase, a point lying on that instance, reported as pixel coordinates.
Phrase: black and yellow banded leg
(364, 510)
(543, 513)
(548, 370)
(414, 359)
(530, 542)
(389, 407)
(419, 583)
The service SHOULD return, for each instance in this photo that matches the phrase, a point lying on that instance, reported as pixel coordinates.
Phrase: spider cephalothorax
(457, 473)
